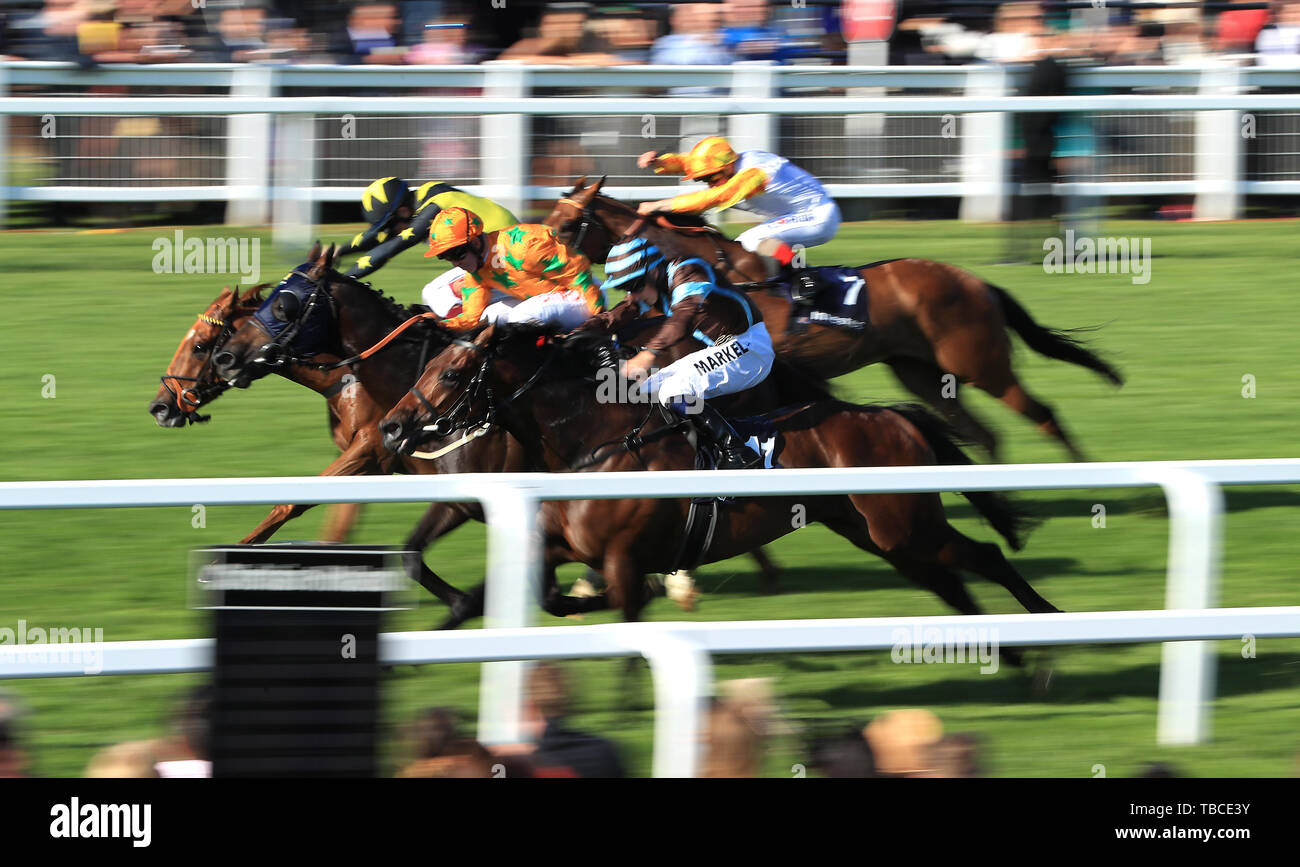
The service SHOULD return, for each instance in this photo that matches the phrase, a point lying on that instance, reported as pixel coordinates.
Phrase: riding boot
(733, 454)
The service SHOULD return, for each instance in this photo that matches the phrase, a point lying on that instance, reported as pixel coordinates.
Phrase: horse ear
(578, 185)
(315, 252)
(600, 183)
(485, 336)
(330, 252)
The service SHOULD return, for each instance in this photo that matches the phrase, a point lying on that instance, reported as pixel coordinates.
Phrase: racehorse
(191, 383)
(552, 403)
(924, 319)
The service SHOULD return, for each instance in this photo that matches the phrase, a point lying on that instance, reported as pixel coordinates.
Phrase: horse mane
(392, 305)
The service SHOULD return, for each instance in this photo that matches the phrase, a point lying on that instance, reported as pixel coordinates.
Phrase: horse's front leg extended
(439, 520)
(360, 458)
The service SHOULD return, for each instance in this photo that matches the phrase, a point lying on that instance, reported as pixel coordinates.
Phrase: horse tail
(1012, 522)
(1053, 343)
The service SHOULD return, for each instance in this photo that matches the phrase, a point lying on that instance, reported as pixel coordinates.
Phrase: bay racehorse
(924, 319)
(552, 404)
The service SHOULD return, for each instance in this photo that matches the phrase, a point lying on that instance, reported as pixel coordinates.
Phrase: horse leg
(439, 520)
(769, 572)
(927, 573)
(926, 381)
(339, 521)
(1016, 397)
(988, 367)
(987, 560)
(358, 459)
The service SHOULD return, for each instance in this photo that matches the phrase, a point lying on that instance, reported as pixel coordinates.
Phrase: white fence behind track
(679, 652)
(520, 134)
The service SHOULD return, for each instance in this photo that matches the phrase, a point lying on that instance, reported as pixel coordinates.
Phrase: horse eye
(450, 375)
(200, 349)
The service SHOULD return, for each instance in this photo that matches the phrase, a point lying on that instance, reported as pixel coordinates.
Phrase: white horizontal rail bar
(176, 656)
(449, 105)
(467, 487)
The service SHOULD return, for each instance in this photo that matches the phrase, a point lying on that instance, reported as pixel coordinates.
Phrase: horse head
(295, 320)
(587, 221)
(191, 380)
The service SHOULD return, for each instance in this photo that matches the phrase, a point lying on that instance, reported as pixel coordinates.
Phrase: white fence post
(504, 141)
(293, 205)
(1218, 162)
(513, 579)
(1187, 671)
(683, 681)
(248, 149)
(4, 149)
(983, 141)
(752, 79)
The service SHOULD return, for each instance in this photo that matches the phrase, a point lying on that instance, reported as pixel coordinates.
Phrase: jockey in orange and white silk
(524, 262)
(797, 208)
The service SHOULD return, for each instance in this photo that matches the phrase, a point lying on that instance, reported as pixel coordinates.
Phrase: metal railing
(272, 142)
(679, 653)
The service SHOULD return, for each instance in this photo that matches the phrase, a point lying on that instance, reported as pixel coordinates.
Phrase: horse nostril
(391, 430)
(158, 410)
(223, 360)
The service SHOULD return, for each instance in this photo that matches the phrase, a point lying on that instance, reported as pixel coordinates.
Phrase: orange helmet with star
(709, 156)
(452, 228)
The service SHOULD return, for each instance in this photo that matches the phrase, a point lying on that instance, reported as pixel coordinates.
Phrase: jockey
(739, 352)
(797, 209)
(400, 218)
(522, 261)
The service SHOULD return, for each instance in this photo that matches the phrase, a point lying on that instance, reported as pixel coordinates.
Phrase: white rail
(511, 503)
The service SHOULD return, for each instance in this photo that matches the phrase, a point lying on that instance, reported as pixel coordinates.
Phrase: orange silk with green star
(524, 261)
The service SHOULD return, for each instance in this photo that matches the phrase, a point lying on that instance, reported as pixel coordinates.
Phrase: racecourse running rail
(679, 653)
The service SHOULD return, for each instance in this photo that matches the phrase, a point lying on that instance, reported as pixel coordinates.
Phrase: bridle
(202, 390)
(445, 423)
(275, 352)
(586, 220)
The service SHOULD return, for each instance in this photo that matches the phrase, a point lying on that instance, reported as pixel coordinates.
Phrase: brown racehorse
(927, 319)
(191, 383)
(564, 414)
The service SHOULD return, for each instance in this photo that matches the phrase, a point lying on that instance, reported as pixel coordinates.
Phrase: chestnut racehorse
(926, 318)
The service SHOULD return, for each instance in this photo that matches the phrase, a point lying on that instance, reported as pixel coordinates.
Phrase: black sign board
(296, 674)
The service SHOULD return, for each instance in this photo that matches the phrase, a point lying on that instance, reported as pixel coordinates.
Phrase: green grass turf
(87, 309)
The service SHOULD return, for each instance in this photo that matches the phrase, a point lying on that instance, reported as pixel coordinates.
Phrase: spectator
(1279, 43)
(440, 752)
(561, 751)
(241, 34)
(186, 751)
(955, 756)
(562, 37)
(739, 724)
(748, 34)
(370, 35)
(134, 760)
(1237, 28)
(846, 756)
(901, 740)
(694, 39)
(13, 763)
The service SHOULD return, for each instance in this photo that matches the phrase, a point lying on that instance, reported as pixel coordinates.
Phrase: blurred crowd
(739, 740)
(721, 32)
